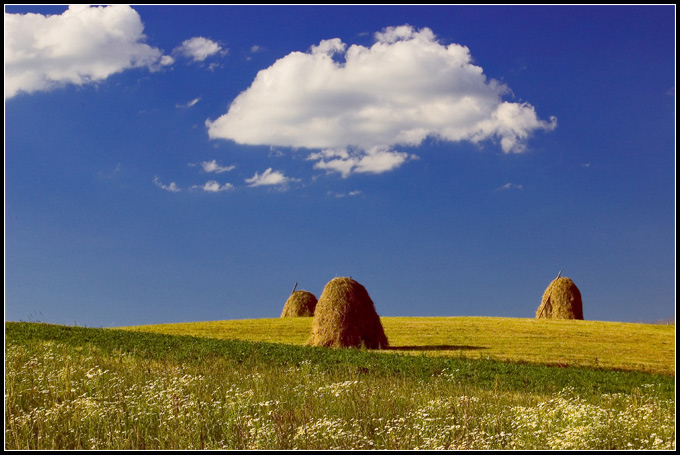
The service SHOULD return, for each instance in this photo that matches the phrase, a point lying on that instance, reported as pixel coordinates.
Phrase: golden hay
(345, 316)
(561, 300)
(299, 303)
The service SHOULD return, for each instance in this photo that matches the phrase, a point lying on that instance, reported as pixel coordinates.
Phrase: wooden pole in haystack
(548, 299)
(299, 304)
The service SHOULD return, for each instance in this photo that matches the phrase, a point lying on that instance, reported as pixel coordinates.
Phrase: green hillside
(597, 344)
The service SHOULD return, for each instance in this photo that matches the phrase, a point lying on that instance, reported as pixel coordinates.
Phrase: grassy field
(86, 388)
(598, 344)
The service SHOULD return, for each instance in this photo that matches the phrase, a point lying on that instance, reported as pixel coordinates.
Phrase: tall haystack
(561, 300)
(299, 304)
(345, 316)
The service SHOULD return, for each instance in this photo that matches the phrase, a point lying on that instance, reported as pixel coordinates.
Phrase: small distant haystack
(345, 316)
(561, 300)
(299, 304)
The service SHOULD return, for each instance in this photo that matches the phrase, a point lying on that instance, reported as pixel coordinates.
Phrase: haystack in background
(561, 300)
(345, 316)
(299, 304)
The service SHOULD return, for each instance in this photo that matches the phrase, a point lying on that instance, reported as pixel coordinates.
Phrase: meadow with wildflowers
(88, 388)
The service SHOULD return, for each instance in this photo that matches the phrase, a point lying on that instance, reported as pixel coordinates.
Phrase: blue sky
(170, 164)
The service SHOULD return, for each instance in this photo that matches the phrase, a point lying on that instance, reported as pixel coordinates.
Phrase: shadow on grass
(441, 347)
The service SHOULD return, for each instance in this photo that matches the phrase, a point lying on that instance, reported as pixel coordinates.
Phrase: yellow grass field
(600, 344)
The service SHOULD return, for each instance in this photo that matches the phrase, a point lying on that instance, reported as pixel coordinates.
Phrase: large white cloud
(82, 45)
(357, 103)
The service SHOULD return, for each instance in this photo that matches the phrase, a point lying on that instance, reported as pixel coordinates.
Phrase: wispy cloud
(172, 187)
(83, 45)
(342, 195)
(269, 177)
(358, 103)
(189, 104)
(212, 186)
(510, 186)
(212, 166)
(374, 160)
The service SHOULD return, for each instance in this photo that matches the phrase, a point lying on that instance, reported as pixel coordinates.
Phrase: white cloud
(342, 195)
(172, 187)
(268, 177)
(510, 186)
(191, 103)
(403, 89)
(80, 46)
(198, 48)
(374, 160)
(212, 186)
(212, 166)
(329, 47)
(167, 60)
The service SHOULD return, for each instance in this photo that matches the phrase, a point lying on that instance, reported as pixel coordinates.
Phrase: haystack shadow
(441, 347)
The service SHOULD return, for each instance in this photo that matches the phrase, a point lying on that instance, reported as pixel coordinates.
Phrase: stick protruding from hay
(545, 304)
(345, 316)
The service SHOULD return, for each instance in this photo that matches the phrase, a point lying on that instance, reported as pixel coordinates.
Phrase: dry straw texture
(345, 316)
(561, 300)
(300, 303)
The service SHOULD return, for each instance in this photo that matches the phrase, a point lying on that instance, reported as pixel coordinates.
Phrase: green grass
(86, 388)
(596, 344)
